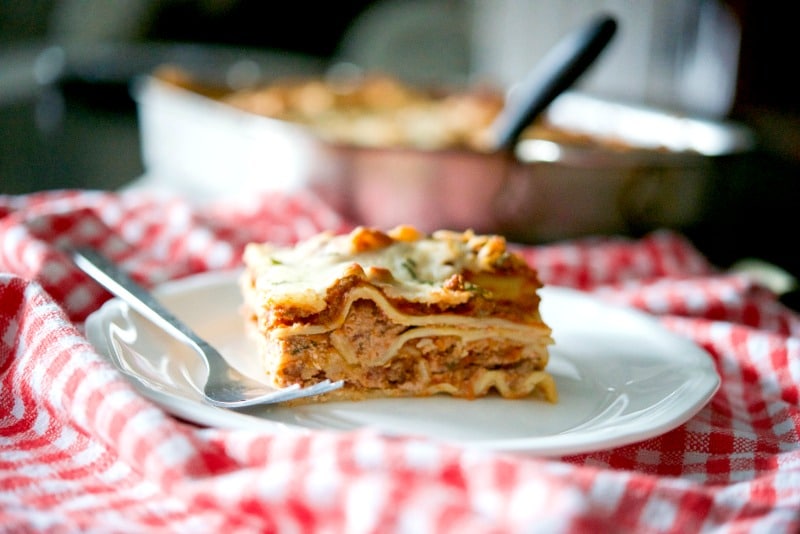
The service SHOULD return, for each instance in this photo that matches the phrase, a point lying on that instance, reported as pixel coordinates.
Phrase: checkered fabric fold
(81, 451)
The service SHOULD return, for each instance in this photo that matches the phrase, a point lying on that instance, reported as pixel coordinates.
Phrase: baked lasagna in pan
(398, 314)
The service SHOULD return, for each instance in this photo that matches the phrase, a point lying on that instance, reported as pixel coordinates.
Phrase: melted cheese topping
(412, 268)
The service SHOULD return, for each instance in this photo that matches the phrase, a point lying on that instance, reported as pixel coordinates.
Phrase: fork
(225, 387)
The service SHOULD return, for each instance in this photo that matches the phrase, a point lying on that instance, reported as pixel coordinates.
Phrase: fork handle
(121, 285)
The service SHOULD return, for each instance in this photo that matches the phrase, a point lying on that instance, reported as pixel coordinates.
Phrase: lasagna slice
(398, 314)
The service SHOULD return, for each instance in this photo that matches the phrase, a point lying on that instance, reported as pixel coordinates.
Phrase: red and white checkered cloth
(81, 451)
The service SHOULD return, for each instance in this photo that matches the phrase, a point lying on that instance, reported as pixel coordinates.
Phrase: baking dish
(599, 167)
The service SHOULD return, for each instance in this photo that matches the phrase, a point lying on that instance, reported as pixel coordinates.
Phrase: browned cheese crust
(398, 314)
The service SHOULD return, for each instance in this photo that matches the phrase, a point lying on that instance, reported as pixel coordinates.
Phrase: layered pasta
(398, 314)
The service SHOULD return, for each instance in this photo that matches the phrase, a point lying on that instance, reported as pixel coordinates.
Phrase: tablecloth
(81, 451)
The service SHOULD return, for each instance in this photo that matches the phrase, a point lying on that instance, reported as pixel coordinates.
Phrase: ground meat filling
(419, 364)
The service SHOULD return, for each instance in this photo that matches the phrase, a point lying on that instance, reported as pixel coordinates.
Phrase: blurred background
(67, 68)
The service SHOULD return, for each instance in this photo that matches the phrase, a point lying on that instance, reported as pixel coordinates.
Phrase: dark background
(753, 208)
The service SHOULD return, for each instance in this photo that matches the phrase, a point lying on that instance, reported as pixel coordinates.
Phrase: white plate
(621, 377)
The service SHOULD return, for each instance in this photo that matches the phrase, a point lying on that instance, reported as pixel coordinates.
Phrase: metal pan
(600, 167)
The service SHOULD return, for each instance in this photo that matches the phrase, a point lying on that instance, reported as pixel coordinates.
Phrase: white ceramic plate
(621, 377)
